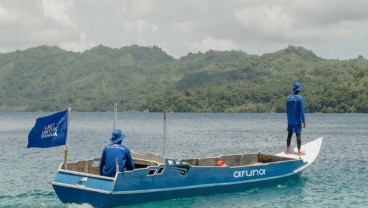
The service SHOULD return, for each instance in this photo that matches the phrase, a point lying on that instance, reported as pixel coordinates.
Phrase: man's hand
(304, 125)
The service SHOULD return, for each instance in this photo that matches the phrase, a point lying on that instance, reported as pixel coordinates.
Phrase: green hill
(147, 78)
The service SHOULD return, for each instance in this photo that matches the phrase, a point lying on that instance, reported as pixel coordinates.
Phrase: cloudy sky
(330, 28)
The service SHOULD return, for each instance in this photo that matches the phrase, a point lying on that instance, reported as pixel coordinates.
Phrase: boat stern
(81, 188)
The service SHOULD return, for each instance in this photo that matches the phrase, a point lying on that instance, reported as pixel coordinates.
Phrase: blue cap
(297, 86)
(117, 136)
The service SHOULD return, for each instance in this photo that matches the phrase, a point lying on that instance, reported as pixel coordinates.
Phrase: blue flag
(49, 131)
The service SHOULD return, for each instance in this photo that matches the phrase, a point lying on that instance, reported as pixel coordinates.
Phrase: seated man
(113, 151)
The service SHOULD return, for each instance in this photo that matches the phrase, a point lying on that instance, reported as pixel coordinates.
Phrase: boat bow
(311, 151)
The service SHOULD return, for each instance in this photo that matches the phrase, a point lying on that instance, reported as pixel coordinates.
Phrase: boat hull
(112, 199)
(177, 180)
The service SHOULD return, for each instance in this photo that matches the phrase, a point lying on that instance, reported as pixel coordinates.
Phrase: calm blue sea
(338, 178)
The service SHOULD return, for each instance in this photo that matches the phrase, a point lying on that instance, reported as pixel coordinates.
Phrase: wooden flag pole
(66, 157)
(66, 141)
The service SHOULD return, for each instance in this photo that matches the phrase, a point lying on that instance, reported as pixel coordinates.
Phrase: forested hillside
(148, 79)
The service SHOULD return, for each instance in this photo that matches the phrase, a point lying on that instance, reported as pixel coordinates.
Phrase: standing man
(295, 116)
(114, 151)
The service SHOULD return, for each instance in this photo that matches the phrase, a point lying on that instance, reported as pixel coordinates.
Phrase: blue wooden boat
(158, 178)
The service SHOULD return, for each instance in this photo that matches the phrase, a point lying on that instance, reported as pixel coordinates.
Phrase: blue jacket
(112, 151)
(295, 109)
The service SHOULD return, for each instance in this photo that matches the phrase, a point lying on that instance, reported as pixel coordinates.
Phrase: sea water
(338, 178)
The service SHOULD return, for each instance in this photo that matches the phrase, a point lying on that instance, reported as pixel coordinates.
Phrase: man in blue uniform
(113, 151)
(295, 116)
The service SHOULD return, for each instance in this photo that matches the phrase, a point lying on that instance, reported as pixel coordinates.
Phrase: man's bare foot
(300, 153)
(288, 151)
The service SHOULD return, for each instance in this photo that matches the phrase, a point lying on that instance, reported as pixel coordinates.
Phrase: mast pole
(115, 116)
(164, 136)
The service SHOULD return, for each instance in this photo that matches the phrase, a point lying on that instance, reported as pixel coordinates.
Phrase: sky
(332, 29)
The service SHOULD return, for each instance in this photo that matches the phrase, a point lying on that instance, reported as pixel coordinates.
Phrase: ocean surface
(338, 178)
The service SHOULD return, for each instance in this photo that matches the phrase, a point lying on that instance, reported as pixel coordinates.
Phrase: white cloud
(142, 8)
(67, 32)
(209, 43)
(5, 15)
(180, 27)
(185, 27)
(80, 44)
(58, 10)
(265, 19)
(144, 27)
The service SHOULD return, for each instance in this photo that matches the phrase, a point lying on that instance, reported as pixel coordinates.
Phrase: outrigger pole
(66, 141)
